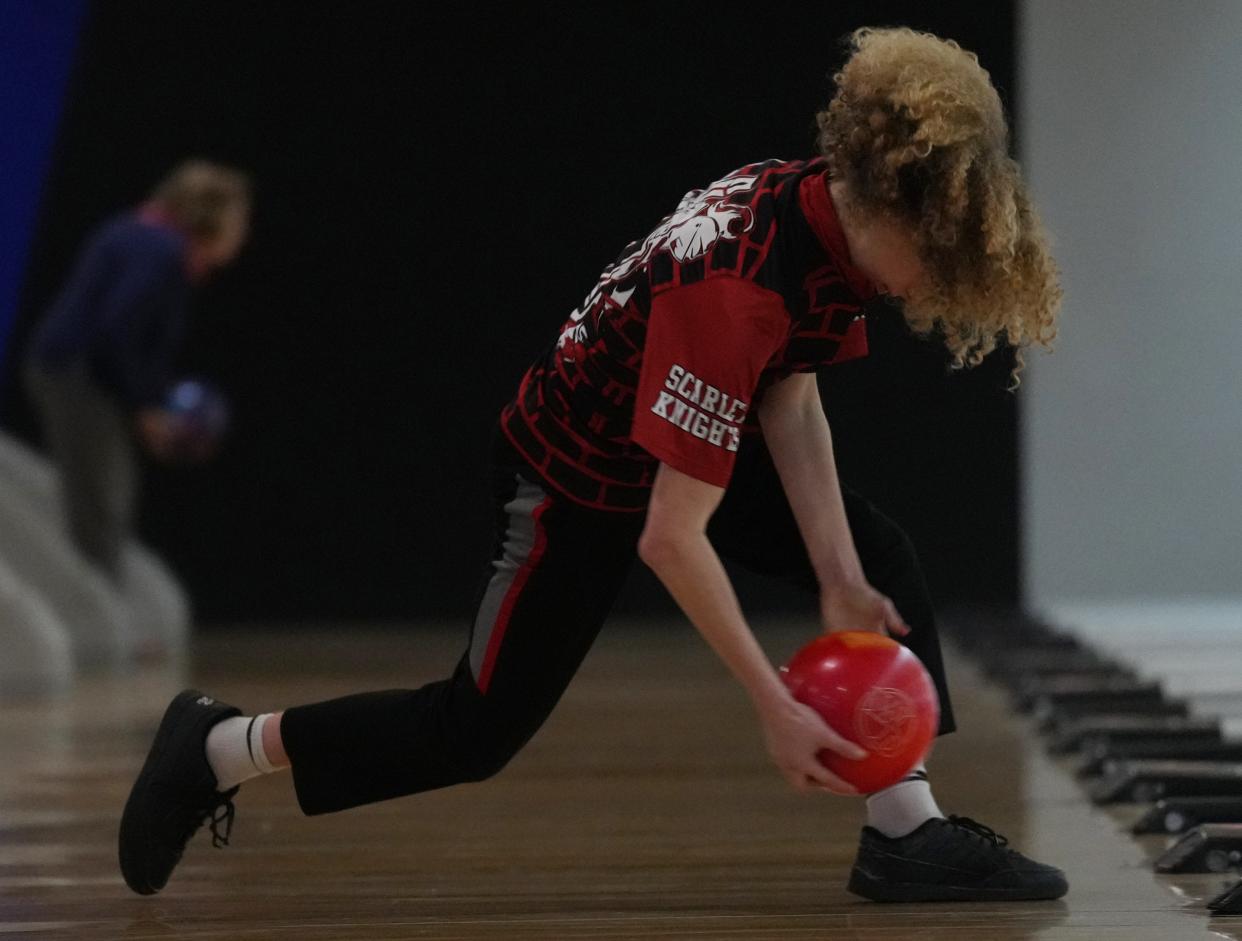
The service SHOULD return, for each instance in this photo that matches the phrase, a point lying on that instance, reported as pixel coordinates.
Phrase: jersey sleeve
(706, 345)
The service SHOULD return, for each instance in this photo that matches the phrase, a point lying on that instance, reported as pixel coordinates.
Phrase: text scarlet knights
(691, 405)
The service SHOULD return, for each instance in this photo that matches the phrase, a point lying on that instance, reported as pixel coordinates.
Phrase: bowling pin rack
(1126, 740)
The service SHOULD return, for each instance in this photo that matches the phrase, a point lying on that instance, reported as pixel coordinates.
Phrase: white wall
(1131, 136)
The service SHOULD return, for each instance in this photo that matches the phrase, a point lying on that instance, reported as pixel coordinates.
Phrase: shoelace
(975, 827)
(220, 813)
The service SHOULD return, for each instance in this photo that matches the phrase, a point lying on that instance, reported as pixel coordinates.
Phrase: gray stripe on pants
(518, 545)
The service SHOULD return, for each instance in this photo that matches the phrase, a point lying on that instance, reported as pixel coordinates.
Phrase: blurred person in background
(100, 365)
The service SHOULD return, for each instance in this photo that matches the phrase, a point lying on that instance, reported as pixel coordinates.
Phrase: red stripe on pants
(511, 597)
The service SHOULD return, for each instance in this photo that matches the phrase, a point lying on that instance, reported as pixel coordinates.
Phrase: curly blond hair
(917, 134)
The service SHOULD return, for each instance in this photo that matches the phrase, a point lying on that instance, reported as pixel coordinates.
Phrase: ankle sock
(903, 807)
(235, 750)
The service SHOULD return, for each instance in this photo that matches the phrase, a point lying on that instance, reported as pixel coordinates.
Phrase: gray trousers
(90, 437)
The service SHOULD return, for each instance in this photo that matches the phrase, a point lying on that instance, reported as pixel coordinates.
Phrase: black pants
(555, 574)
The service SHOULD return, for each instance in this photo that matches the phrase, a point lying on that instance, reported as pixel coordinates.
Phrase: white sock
(235, 750)
(903, 807)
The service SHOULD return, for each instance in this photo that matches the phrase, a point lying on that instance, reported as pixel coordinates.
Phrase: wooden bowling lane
(646, 809)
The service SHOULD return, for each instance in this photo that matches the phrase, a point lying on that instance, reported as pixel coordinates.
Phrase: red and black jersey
(746, 282)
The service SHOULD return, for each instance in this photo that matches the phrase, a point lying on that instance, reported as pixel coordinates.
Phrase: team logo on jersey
(699, 408)
(702, 218)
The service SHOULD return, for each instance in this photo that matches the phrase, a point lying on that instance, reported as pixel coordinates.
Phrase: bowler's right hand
(795, 735)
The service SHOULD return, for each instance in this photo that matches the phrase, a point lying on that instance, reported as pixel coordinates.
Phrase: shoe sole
(878, 890)
(133, 824)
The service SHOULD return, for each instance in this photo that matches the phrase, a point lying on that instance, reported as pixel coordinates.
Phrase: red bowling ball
(873, 691)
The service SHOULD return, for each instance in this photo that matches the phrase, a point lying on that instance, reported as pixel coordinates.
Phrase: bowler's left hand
(859, 607)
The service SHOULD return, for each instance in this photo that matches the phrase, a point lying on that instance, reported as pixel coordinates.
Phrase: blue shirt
(123, 312)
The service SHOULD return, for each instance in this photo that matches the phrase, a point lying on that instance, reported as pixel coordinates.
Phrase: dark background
(437, 187)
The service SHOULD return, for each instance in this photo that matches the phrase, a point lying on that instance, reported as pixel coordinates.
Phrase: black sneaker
(949, 860)
(175, 794)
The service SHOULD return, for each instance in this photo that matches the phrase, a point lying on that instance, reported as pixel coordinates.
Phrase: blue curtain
(38, 39)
